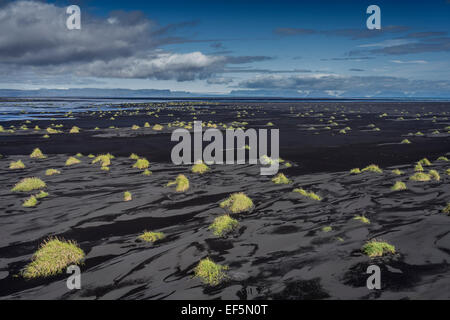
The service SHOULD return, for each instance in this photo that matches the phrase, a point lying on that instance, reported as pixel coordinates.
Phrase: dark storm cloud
(363, 84)
(353, 34)
(123, 45)
(441, 44)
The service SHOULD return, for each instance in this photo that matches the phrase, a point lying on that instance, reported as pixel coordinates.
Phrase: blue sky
(293, 48)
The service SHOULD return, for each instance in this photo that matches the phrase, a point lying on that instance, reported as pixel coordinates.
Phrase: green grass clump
(146, 125)
(41, 195)
(447, 171)
(158, 127)
(424, 162)
(210, 272)
(37, 154)
(376, 248)
(71, 161)
(434, 174)
(141, 163)
(15, 165)
(30, 202)
(399, 186)
(397, 172)
(237, 202)
(420, 176)
(223, 225)
(363, 219)
(133, 156)
(405, 141)
(50, 172)
(181, 182)
(446, 209)
(134, 127)
(355, 171)
(149, 236)
(372, 168)
(51, 130)
(307, 194)
(104, 159)
(127, 196)
(146, 172)
(418, 167)
(327, 229)
(199, 168)
(74, 129)
(53, 256)
(280, 179)
(442, 158)
(29, 184)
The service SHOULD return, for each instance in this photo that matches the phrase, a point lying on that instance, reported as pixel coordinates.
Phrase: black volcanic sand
(279, 250)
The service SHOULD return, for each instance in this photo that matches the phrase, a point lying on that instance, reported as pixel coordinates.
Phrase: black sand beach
(279, 250)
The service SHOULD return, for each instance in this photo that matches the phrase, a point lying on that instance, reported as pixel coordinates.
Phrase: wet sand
(279, 250)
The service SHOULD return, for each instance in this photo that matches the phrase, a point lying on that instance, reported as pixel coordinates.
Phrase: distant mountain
(155, 93)
(94, 93)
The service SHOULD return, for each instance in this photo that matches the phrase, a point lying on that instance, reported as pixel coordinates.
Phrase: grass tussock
(37, 154)
(53, 256)
(327, 229)
(363, 219)
(418, 167)
(146, 172)
(307, 194)
(223, 225)
(420, 176)
(355, 171)
(158, 127)
(29, 184)
(399, 185)
(405, 141)
(237, 203)
(103, 159)
(377, 248)
(30, 202)
(397, 172)
(181, 183)
(16, 165)
(372, 168)
(41, 195)
(74, 129)
(209, 272)
(127, 196)
(280, 179)
(133, 156)
(446, 209)
(199, 168)
(71, 161)
(442, 158)
(150, 236)
(51, 172)
(424, 162)
(434, 175)
(141, 163)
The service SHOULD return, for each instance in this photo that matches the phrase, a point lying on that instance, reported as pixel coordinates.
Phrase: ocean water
(45, 108)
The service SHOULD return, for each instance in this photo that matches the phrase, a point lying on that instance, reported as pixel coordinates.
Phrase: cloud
(348, 85)
(122, 45)
(410, 61)
(356, 69)
(353, 34)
